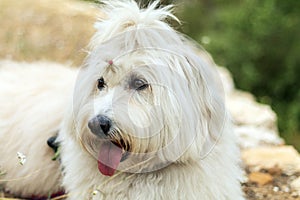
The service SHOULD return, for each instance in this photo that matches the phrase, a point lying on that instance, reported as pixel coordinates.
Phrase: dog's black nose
(100, 125)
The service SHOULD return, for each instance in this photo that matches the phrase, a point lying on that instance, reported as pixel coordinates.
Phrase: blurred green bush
(259, 41)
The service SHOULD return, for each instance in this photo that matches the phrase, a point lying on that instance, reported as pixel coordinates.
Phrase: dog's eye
(101, 83)
(139, 84)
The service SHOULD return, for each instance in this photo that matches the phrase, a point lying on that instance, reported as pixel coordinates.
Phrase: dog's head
(146, 97)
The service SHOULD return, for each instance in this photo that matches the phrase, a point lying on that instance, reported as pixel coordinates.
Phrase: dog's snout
(104, 124)
(100, 125)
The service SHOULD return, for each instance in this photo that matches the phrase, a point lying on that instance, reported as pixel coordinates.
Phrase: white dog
(146, 119)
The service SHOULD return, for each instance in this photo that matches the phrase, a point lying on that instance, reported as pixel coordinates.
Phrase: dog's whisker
(60, 197)
(109, 179)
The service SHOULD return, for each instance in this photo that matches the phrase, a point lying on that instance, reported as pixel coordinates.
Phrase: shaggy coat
(144, 118)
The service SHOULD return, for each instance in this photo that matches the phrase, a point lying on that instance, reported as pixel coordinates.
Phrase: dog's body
(33, 98)
(146, 119)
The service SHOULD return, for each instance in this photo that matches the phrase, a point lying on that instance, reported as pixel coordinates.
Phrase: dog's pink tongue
(109, 158)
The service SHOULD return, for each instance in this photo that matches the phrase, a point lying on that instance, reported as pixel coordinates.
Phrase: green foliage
(259, 41)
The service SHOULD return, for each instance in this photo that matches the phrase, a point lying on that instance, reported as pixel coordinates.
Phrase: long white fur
(33, 98)
(180, 135)
(195, 136)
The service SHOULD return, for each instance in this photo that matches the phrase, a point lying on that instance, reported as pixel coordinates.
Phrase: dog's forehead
(133, 53)
(120, 69)
(151, 65)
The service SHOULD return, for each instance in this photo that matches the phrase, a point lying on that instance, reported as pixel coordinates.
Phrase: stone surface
(284, 157)
(296, 185)
(260, 178)
(255, 124)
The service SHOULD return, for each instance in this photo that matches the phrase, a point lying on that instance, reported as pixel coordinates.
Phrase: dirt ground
(277, 188)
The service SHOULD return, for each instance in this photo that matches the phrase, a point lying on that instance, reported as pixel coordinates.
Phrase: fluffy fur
(33, 98)
(176, 129)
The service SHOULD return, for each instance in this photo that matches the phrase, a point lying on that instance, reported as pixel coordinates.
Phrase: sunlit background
(257, 40)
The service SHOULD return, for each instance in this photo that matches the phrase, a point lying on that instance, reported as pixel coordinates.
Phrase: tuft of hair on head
(146, 3)
(121, 15)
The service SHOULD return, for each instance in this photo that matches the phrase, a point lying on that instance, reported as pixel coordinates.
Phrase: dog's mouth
(111, 153)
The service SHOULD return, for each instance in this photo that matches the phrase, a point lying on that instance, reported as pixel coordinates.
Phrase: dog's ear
(212, 117)
(196, 116)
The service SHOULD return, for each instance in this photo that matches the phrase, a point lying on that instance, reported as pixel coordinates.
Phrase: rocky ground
(272, 173)
(56, 31)
(272, 169)
(277, 188)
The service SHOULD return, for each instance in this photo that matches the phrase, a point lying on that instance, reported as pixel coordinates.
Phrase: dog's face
(145, 100)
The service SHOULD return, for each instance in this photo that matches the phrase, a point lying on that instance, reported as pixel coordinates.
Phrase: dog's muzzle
(112, 151)
(100, 125)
